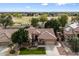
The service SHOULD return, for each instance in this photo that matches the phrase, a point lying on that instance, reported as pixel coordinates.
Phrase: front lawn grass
(24, 51)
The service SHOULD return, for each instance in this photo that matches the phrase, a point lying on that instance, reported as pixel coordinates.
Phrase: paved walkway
(67, 49)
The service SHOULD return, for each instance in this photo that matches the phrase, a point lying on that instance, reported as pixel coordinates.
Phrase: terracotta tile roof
(4, 38)
(70, 31)
(36, 31)
(9, 32)
(31, 29)
(48, 32)
(44, 33)
(77, 29)
(47, 36)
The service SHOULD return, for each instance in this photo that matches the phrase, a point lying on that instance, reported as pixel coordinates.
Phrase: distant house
(42, 35)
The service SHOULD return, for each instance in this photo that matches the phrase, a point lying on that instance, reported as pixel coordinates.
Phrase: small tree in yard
(34, 22)
(43, 18)
(63, 20)
(53, 23)
(6, 20)
(20, 36)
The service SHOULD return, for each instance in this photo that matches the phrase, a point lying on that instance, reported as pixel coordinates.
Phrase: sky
(39, 7)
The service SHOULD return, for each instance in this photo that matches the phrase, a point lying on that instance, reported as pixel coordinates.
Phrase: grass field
(27, 20)
(23, 20)
(25, 51)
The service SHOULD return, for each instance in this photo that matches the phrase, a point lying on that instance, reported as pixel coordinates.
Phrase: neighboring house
(5, 35)
(42, 35)
(4, 40)
(72, 29)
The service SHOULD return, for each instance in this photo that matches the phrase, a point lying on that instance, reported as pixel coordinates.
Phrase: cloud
(61, 4)
(44, 4)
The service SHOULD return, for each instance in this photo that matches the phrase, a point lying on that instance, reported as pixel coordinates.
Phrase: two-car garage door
(50, 42)
(4, 43)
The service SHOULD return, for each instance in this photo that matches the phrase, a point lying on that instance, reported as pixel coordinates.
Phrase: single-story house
(36, 35)
(42, 35)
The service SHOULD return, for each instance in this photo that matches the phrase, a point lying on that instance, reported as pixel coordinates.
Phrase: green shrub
(12, 52)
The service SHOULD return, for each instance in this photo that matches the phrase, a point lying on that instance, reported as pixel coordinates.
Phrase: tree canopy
(43, 18)
(77, 18)
(34, 22)
(19, 15)
(20, 36)
(63, 20)
(53, 23)
(6, 20)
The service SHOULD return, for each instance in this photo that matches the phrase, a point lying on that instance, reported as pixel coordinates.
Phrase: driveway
(51, 50)
(3, 50)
